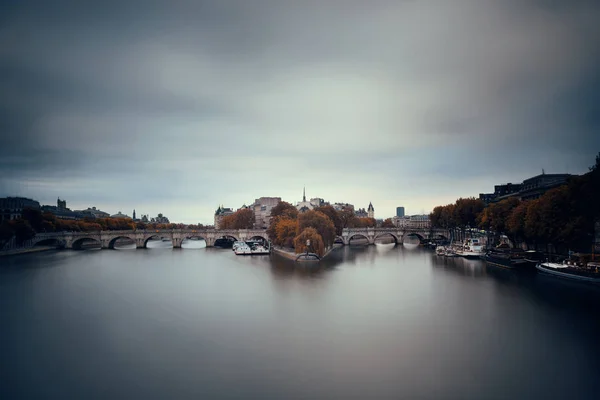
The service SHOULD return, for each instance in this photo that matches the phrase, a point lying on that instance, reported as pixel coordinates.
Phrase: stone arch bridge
(398, 234)
(73, 240)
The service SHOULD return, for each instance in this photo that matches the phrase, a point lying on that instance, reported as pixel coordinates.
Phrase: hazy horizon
(177, 107)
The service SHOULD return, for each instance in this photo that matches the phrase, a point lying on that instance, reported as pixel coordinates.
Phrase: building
(531, 188)
(93, 212)
(371, 211)
(399, 211)
(343, 206)
(534, 187)
(304, 205)
(361, 213)
(220, 213)
(120, 215)
(262, 211)
(161, 219)
(12, 207)
(62, 212)
(421, 221)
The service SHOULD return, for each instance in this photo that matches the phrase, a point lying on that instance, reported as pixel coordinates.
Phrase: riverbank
(28, 250)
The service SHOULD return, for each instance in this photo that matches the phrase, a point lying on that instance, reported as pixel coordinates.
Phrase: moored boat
(507, 258)
(242, 249)
(440, 250)
(472, 248)
(590, 273)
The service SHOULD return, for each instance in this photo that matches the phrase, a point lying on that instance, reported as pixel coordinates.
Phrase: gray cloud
(179, 106)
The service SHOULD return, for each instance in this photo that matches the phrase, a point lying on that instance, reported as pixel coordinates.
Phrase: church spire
(304, 194)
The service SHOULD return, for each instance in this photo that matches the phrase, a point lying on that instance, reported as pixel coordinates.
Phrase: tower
(134, 214)
(304, 194)
(371, 211)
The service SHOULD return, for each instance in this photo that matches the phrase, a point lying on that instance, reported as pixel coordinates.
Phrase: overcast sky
(179, 106)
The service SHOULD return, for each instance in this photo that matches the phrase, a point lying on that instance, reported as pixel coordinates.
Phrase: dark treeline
(563, 216)
(34, 221)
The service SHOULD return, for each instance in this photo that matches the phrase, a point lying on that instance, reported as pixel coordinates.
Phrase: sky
(178, 106)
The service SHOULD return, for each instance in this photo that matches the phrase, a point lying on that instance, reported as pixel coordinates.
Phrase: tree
(347, 218)
(284, 209)
(6, 232)
(495, 216)
(316, 242)
(333, 216)
(387, 223)
(286, 231)
(319, 221)
(23, 230)
(466, 211)
(244, 218)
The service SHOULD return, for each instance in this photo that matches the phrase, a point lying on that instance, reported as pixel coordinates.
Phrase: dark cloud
(196, 103)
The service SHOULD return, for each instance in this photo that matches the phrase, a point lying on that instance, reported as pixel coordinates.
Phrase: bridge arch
(79, 243)
(338, 240)
(357, 235)
(156, 236)
(113, 241)
(419, 236)
(383, 234)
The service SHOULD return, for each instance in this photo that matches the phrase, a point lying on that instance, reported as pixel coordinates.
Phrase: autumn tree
(333, 216)
(284, 209)
(319, 221)
(387, 223)
(286, 231)
(495, 216)
(316, 242)
(466, 211)
(347, 218)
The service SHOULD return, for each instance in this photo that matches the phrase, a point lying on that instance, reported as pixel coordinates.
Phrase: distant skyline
(177, 107)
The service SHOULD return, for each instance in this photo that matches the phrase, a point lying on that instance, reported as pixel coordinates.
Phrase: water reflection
(380, 321)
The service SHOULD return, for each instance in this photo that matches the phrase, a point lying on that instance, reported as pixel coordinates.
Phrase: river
(368, 322)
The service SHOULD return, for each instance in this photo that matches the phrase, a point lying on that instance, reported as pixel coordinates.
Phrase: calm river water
(370, 322)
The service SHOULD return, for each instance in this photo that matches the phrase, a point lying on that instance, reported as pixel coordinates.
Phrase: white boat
(472, 248)
(260, 249)
(242, 249)
(570, 271)
(237, 244)
(440, 250)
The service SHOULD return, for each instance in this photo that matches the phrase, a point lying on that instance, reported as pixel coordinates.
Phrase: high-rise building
(399, 211)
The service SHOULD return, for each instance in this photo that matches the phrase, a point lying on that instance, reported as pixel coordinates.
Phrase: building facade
(371, 211)
(530, 189)
(262, 211)
(414, 221)
(220, 213)
(12, 207)
(304, 205)
(93, 212)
